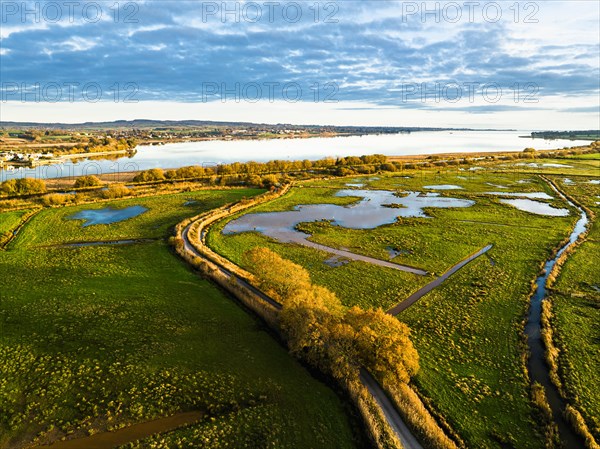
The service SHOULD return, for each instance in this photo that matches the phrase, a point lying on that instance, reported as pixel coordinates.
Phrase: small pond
(336, 261)
(444, 187)
(530, 195)
(394, 252)
(537, 207)
(536, 165)
(108, 215)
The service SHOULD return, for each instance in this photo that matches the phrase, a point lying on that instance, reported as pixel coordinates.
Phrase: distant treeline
(583, 135)
(264, 173)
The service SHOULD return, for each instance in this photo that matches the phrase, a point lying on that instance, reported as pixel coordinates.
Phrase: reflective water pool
(537, 207)
(530, 195)
(108, 215)
(443, 187)
(374, 209)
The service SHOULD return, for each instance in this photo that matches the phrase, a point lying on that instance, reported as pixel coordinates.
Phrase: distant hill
(170, 124)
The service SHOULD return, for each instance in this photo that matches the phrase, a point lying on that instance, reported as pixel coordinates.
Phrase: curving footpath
(390, 413)
(189, 247)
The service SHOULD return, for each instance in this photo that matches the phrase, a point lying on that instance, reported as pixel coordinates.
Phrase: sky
(505, 64)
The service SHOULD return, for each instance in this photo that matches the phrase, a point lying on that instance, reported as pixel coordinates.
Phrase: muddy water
(109, 440)
(107, 215)
(538, 368)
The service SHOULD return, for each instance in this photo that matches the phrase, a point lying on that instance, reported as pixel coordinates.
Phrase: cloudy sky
(506, 64)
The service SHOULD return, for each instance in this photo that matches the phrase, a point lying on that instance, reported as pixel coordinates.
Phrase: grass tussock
(419, 419)
(552, 352)
(544, 416)
(578, 423)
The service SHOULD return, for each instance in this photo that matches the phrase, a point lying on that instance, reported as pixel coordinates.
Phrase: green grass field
(10, 220)
(53, 226)
(467, 331)
(97, 337)
(588, 156)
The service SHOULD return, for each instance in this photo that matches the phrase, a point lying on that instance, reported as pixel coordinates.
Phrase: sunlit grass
(98, 337)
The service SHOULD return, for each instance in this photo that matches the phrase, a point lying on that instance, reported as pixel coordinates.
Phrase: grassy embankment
(468, 331)
(9, 221)
(99, 337)
(12, 222)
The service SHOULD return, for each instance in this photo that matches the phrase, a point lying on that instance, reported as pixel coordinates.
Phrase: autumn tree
(383, 344)
(154, 174)
(320, 330)
(23, 186)
(276, 274)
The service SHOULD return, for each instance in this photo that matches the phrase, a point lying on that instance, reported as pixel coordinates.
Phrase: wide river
(220, 151)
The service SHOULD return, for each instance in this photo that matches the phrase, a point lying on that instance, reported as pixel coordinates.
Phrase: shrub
(86, 181)
(155, 174)
(24, 186)
(577, 421)
(57, 199)
(116, 191)
(277, 275)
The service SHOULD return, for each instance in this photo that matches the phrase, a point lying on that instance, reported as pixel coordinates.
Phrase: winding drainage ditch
(537, 365)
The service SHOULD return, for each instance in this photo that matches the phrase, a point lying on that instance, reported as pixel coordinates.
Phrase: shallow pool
(530, 195)
(444, 187)
(108, 215)
(376, 208)
(537, 207)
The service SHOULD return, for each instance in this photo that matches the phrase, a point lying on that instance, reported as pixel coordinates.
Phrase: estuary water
(212, 152)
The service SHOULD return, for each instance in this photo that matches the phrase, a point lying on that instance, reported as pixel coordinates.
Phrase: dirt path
(110, 440)
(392, 416)
(423, 291)
(367, 259)
(241, 282)
(100, 243)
